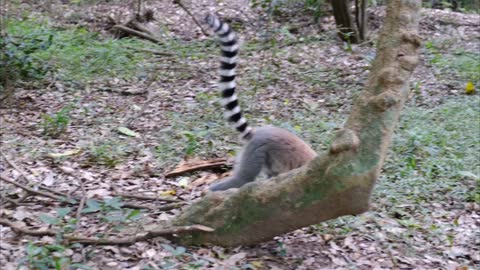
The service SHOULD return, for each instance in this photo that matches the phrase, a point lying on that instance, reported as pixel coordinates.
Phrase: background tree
(336, 183)
(347, 29)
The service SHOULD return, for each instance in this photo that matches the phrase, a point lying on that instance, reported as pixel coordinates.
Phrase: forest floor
(95, 116)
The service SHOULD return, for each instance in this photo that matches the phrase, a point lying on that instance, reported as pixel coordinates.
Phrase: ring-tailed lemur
(268, 149)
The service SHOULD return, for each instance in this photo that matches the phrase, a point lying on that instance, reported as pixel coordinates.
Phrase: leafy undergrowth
(77, 133)
(37, 49)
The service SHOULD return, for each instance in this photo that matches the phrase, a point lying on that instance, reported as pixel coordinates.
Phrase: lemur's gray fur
(268, 149)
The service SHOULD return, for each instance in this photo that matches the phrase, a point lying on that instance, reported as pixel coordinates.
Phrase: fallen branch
(171, 206)
(136, 25)
(180, 4)
(137, 33)
(71, 200)
(32, 191)
(56, 195)
(18, 169)
(149, 234)
(22, 230)
(145, 197)
(25, 176)
(197, 165)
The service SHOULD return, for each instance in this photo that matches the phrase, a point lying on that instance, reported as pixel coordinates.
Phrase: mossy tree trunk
(338, 182)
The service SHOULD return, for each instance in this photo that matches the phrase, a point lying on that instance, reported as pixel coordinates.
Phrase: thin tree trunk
(346, 29)
(336, 183)
(361, 19)
(363, 28)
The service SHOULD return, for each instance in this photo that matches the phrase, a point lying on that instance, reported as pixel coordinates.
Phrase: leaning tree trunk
(336, 183)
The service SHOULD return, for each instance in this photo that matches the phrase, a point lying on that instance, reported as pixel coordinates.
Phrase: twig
(145, 197)
(14, 202)
(149, 234)
(32, 191)
(26, 231)
(179, 3)
(53, 194)
(140, 27)
(18, 169)
(170, 206)
(63, 198)
(25, 176)
(139, 206)
(150, 96)
(137, 33)
(82, 201)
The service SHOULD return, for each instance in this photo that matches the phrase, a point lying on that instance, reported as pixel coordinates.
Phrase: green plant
(180, 253)
(192, 144)
(106, 152)
(56, 124)
(317, 8)
(53, 256)
(18, 55)
(465, 64)
(72, 54)
(111, 211)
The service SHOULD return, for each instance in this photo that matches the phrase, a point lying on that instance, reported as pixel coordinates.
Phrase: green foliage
(193, 144)
(19, 54)
(72, 54)
(275, 7)
(110, 210)
(434, 158)
(458, 5)
(316, 7)
(180, 253)
(434, 150)
(57, 256)
(53, 256)
(106, 152)
(47, 257)
(465, 64)
(60, 219)
(56, 124)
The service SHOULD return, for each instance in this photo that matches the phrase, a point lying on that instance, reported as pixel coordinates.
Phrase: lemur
(267, 149)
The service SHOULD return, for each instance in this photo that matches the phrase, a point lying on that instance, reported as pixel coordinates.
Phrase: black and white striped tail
(228, 62)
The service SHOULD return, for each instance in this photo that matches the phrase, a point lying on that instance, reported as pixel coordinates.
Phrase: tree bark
(338, 182)
(361, 19)
(344, 21)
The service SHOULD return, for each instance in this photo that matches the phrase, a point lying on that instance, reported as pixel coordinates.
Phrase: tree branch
(179, 3)
(145, 197)
(137, 33)
(32, 191)
(72, 238)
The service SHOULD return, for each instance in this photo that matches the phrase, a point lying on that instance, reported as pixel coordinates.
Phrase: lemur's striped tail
(228, 62)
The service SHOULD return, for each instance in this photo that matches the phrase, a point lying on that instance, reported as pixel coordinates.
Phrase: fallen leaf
(65, 154)
(128, 132)
(183, 182)
(170, 192)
